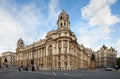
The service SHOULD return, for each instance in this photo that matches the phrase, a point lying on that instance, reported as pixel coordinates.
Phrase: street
(83, 74)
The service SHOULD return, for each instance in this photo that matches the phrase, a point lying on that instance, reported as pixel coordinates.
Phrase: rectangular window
(65, 57)
(59, 44)
(65, 42)
(65, 50)
(65, 34)
(58, 57)
(59, 50)
(65, 64)
(59, 34)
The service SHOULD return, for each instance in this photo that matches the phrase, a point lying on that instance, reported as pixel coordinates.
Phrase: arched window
(64, 23)
(61, 24)
(61, 17)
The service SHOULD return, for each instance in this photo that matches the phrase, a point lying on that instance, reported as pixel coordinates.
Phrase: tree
(118, 61)
(5, 60)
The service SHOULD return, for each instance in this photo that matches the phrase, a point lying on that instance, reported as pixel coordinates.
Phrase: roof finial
(63, 10)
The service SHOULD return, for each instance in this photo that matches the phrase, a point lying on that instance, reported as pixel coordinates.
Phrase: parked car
(25, 68)
(108, 68)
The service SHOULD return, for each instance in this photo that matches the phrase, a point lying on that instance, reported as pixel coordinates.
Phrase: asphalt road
(87, 74)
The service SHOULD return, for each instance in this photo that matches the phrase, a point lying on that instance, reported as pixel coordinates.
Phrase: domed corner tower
(20, 44)
(63, 21)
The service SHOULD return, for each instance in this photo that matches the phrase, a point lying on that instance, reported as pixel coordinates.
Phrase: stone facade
(58, 51)
(8, 59)
(106, 57)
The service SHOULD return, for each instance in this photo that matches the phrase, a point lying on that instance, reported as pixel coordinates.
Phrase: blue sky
(95, 22)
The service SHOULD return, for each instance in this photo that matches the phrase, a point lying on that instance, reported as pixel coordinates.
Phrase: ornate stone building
(58, 51)
(106, 57)
(8, 59)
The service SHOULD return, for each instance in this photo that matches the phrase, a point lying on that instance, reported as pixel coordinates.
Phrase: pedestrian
(116, 67)
(19, 69)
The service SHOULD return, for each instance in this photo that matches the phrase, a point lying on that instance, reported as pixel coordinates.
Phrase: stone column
(68, 50)
(62, 47)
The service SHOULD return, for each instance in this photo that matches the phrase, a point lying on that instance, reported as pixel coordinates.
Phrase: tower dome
(20, 43)
(63, 21)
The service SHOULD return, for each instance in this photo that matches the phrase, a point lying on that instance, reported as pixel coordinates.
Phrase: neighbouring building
(58, 51)
(8, 59)
(106, 57)
(0, 62)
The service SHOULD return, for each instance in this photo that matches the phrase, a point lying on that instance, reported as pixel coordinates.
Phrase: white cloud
(100, 19)
(53, 11)
(90, 36)
(8, 25)
(98, 13)
(24, 21)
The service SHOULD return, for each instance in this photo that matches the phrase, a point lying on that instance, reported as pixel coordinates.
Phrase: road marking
(14, 70)
(50, 73)
(66, 74)
(54, 73)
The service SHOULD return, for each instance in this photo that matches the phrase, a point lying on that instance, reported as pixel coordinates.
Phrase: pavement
(81, 74)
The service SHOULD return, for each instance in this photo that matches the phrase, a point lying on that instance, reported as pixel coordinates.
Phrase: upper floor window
(65, 57)
(64, 23)
(65, 42)
(59, 42)
(65, 34)
(58, 57)
(61, 17)
(59, 34)
(59, 50)
(60, 24)
(65, 50)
